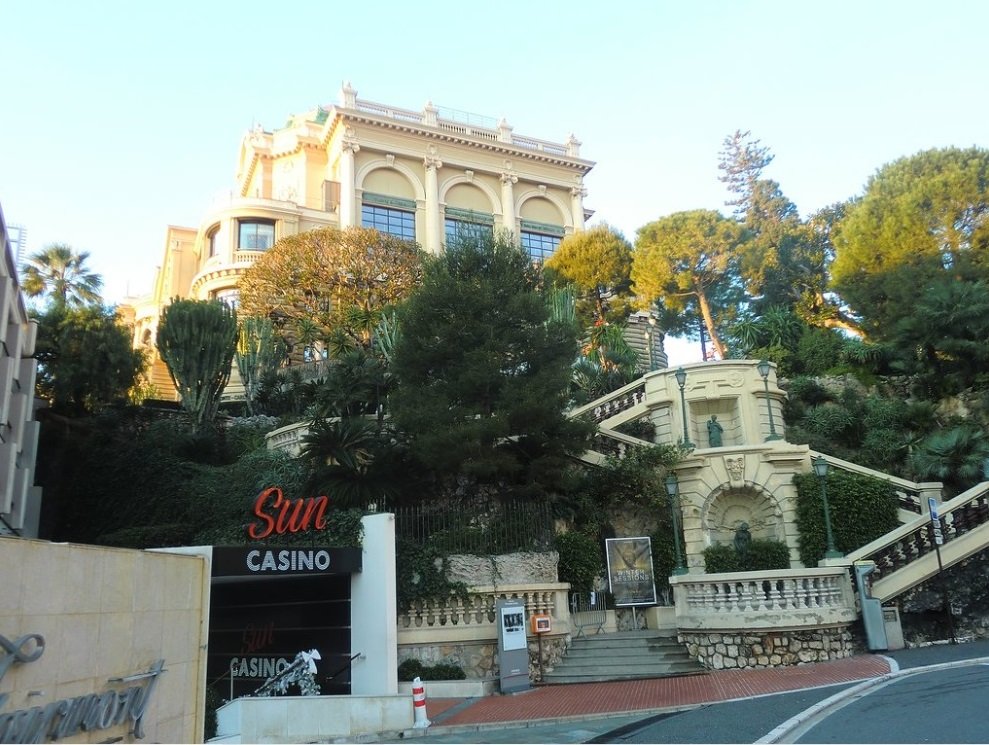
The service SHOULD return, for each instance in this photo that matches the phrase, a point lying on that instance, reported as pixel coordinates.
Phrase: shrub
(862, 509)
(762, 555)
(412, 668)
(580, 560)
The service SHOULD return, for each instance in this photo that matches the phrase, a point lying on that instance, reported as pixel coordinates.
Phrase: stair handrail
(619, 442)
(911, 494)
(612, 403)
(915, 539)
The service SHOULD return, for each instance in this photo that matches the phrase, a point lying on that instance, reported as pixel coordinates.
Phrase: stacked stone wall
(728, 650)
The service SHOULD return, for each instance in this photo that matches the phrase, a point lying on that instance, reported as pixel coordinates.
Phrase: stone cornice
(340, 116)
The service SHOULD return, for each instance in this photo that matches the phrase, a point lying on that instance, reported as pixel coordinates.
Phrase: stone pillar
(577, 194)
(348, 196)
(508, 181)
(434, 234)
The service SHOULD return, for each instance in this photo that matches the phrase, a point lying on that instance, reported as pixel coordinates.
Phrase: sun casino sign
(268, 601)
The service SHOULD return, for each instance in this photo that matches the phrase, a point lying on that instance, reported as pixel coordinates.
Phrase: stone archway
(728, 508)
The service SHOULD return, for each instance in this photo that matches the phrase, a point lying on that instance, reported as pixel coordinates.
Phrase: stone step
(603, 642)
(565, 678)
(620, 668)
(632, 652)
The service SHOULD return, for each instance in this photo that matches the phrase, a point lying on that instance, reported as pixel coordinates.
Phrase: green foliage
(197, 340)
(762, 555)
(259, 351)
(918, 224)
(862, 509)
(596, 262)
(691, 257)
(85, 359)
(954, 456)
(61, 274)
(483, 371)
(412, 668)
(581, 560)
(341, 280)
(421, 574)
(606, 363)
(123, 480)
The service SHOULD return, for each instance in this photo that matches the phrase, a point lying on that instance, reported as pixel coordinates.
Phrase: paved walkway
(561, 702)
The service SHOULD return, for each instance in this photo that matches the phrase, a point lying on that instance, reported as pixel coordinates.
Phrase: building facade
(420, 175)
(20, 499)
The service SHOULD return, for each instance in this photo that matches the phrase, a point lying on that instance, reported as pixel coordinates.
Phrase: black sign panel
(283, 561)
(258, 626)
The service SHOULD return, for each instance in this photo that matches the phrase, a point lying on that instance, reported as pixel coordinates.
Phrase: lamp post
(821, 469)
(763, 368)
(681, 377)
(673, 489)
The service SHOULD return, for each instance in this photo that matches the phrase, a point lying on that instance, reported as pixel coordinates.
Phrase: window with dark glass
(256, 235)
(390, 215)
(211, 237)
(540, 240)
(467, 223)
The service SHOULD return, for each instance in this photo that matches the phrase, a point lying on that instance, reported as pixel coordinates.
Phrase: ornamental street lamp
(673, 489)
(821, 469)
(763, 368)
(681, 377)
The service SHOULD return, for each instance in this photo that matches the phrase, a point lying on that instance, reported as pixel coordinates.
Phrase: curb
(845, 697)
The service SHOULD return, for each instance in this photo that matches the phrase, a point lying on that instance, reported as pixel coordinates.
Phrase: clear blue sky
(121, 118)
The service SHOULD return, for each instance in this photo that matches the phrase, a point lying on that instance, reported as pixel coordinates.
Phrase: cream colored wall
(107, 613)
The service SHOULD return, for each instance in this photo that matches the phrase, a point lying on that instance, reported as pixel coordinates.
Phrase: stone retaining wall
(480, 660)
(728, 650)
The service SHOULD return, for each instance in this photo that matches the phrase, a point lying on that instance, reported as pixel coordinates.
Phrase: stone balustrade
(473, 618)
(464, 631)
(778, 599)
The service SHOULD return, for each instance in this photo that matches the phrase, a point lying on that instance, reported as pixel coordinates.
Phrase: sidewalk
(573, 708)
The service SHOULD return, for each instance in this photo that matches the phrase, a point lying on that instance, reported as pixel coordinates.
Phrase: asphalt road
(941, 706)
(729, 722)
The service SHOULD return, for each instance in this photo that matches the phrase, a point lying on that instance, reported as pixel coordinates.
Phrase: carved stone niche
(734, 506)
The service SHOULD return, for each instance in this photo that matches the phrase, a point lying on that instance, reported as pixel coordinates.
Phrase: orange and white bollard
(419, 704)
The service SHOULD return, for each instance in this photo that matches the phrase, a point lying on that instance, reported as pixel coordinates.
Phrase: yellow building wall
(104, 615)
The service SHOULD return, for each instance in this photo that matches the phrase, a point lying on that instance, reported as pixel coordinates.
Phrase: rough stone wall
(477, 660)
(480, 660)
(726, 650)
(553, 650)
(521, 568)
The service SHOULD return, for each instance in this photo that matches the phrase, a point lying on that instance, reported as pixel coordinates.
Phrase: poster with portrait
(630, 575)
(513, 628)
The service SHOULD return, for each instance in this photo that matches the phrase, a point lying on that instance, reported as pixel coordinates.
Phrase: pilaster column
(348, 197)
(577, 194)
(434, 241)
(508, 181)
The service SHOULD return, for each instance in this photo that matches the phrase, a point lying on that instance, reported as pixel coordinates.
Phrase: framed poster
(630, 575)
(513, 628)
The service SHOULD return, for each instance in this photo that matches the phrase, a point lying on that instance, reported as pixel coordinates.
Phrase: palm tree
(60, 273)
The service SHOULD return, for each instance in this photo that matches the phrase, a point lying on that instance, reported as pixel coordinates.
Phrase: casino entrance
(267, 604)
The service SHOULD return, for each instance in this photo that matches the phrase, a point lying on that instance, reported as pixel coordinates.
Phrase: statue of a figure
(742, 539)
(714, 430)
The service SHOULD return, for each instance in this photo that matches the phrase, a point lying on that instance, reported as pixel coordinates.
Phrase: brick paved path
(553, 702)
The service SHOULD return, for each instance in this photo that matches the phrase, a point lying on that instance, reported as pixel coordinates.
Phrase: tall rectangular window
(255, 234)
(392, 215)
(212, 236)
(540, 240)
(467, 223)
(399, 223)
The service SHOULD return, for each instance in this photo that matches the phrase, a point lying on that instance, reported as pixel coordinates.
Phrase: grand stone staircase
(626, 655)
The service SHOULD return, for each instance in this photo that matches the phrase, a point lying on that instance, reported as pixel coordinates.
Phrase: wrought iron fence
(501, 527)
